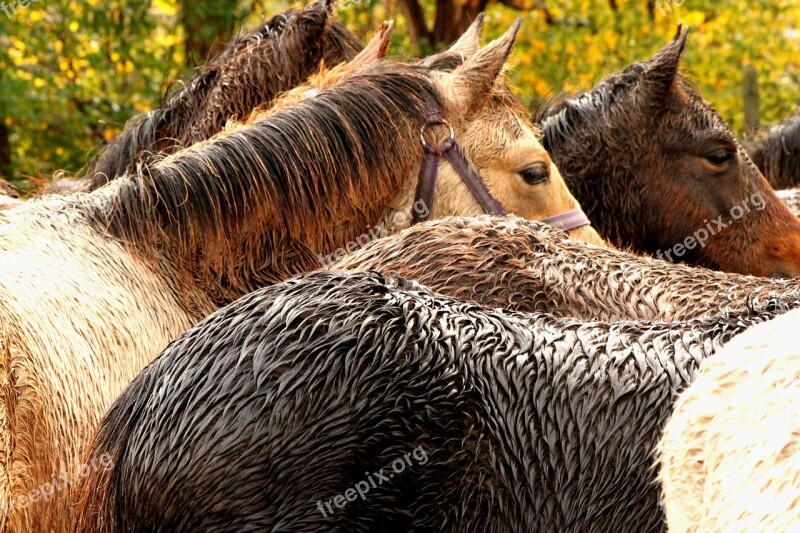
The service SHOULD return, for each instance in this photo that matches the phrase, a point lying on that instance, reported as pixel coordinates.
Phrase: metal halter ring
(442, 121)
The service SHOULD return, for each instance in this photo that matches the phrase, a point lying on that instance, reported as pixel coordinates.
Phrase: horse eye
(536, 174)
(720, 158)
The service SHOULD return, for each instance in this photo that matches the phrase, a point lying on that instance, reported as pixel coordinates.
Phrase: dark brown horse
(656, 169)
(777, 153)
(250, 72)
(363, 402)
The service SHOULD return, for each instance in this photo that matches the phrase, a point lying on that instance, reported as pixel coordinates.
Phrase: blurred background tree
(72, 73)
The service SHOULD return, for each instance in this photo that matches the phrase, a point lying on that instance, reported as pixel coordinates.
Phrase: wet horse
(730, 454)
(528, 266)
(352, 401)
(251, 71)
(777, 153)
(657, 170)
(96, 284)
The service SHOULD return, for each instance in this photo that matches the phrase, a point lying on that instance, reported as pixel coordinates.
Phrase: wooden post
(752, 103)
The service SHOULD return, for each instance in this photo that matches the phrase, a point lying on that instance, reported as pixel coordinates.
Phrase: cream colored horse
(730, 454)
(96, 284)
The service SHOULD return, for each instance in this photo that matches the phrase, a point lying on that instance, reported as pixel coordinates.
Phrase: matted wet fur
(651, 163)
(251, 71)
(791, 197)
(777, 153)
(521, 265)
(269, 409)
(96, 284)
(730, 455)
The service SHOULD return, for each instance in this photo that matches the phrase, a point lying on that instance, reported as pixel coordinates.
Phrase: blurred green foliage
(72, 73)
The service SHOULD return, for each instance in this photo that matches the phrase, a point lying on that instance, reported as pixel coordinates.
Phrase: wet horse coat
(96, 284)
(777, 153)
(522, 265)
(730, 454)
(292, 395)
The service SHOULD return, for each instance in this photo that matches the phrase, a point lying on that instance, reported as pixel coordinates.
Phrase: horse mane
(559, 113)
(335, 158)
(251, 70)
(776, 153)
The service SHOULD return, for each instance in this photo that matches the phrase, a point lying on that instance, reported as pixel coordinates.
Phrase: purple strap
(430, 168)
(569, 220)
(426, 183)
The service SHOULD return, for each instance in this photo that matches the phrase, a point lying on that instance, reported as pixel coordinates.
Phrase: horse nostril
(781, 274)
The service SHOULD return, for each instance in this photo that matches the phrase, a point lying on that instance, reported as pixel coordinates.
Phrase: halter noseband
(449, 149)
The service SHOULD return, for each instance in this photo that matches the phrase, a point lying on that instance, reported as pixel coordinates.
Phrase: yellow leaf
(9, 121)
(38, 83)
(74, 26)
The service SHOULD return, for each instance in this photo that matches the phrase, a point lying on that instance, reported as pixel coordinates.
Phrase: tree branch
(417, 29)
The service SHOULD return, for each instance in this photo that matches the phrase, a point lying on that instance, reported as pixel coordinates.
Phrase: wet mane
(777, 153)
(560, 113)
(243, 193)
(250, 71)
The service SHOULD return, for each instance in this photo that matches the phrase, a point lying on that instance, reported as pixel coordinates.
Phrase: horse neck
(533, 269)
(614, 285)
(451, 198)
(258, 237)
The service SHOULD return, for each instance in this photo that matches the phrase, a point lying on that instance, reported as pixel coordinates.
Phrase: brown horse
(658, 170)
(250, 72)
(95, 284)
(777, 153)
(527, 266)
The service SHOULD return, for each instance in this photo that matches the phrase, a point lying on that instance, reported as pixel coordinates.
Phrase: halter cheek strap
(449, 149)
(568, 220)
(430, 169)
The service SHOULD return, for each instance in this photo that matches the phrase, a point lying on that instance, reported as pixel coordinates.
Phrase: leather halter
(449, 149)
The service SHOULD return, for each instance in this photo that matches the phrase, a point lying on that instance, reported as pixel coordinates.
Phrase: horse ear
(470, 42)
(375, 49)
(474, 80)
(312, 20)
(322, 6)
(662, 69)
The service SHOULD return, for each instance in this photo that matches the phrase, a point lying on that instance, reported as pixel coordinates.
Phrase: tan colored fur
(730, 454)
(511, 146)
(79, 316)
